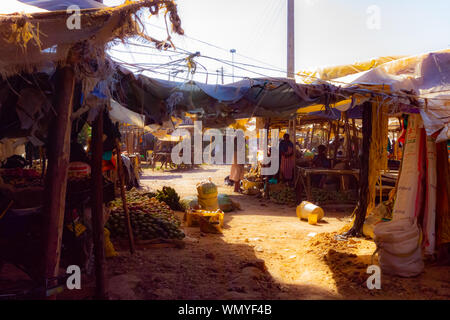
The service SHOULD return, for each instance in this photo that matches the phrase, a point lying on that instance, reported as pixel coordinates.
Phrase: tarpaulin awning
(55, 5)
(333, 72)
(219, 104)
(121, 114)
(425, 77)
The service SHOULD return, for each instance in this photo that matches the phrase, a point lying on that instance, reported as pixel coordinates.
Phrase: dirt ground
(265, 252)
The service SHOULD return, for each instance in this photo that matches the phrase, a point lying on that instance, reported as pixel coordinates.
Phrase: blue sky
(327, 32)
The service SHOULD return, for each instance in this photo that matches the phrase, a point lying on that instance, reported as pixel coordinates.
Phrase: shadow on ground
(173, 177)
(207, 268)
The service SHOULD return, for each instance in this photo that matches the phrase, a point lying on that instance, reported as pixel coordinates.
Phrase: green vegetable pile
(284, 196)
(169, 196)
(150, 218)
(329, 196)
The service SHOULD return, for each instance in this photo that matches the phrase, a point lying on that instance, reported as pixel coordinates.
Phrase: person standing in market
(237, 170)
(287, 159)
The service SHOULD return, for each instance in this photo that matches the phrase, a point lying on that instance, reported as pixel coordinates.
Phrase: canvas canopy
(219, 105)
(333, 72)
(55, 5)
(121, 114)
(424, 78)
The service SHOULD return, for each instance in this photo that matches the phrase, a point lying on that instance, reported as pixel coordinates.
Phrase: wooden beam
(348, 137)
(97, 207)
(361, 209)
(56, 176)
(355, 137)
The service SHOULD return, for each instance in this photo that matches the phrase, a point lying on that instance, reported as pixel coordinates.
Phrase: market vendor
(287, 159)
(237, 170)
(320, 161)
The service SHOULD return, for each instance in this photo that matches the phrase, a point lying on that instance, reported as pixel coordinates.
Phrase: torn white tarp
(118, 113)
(427, 75)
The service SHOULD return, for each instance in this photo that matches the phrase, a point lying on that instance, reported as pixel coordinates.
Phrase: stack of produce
(21, 178)
(283, 196)
(150, 218)
(170, 196)
(328, 196)
(254, 174)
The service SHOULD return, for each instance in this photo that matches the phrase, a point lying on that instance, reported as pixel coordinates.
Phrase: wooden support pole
(97, 207)
(330, 127)
(312, 137)
(361, 210)
(337, 141)
(355, 137)
(266, 178)
(347, 137)
(294, 141)
(124, 197)
(56, 177)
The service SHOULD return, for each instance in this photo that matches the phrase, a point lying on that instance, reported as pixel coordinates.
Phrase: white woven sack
(398, 244)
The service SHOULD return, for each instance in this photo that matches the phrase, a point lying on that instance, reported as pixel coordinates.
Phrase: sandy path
(265, 252)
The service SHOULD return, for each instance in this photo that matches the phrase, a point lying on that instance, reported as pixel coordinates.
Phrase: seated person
(320, 161)
(336, 180)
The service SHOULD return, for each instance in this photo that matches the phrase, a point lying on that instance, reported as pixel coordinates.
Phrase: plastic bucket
(306, 208)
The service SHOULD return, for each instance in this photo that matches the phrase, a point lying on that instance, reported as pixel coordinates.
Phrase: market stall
(45, 92)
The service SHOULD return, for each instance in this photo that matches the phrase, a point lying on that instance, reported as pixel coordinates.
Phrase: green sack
(225, 203)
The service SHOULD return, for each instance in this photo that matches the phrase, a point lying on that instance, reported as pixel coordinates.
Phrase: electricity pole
(233, 51)
(290, 40)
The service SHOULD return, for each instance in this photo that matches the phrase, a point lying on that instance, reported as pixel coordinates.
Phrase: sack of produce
(207, 195)
(398, 243)
(206, 189)
(225, 203)
(189, 202)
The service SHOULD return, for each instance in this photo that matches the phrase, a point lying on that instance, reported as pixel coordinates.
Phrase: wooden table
(304, 175)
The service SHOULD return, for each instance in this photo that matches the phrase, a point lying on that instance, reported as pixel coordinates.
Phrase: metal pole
(233, 51)
(290, 40)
